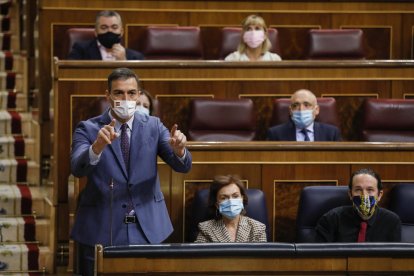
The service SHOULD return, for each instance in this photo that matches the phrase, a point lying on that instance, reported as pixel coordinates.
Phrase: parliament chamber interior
(364, 85)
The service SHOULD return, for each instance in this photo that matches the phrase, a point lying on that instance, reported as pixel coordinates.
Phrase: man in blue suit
(117, 151)
(302, 126)
(106, 45)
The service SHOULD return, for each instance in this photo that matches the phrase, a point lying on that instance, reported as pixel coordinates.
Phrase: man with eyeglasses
(107, 44)
(122, 202)
(302, 126)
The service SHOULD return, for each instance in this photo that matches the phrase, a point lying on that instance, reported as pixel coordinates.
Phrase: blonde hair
(259, 21)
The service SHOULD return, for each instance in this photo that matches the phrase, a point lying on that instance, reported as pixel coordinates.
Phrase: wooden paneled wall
(282, 171)
(175, 84)
(279, 169)
(388, 26)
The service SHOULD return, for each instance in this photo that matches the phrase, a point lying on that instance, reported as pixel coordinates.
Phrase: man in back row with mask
(107, 44)
(302, 126)
(364, 221)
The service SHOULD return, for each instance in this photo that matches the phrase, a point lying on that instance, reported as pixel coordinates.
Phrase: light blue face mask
(302, 118)
(142, 110)
(231, 208)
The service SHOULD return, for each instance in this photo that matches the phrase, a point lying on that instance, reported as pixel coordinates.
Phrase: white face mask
(124, 109)
(142, 110)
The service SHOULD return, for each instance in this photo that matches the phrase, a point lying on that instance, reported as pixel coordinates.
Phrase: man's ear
(316, 110)
(380, 193)
(350, 194)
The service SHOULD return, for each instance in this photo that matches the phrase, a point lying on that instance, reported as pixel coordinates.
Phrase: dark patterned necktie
(125, 144)
(305, 132)
(362, 231)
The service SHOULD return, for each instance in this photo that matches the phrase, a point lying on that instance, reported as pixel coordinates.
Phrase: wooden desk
(256, 259)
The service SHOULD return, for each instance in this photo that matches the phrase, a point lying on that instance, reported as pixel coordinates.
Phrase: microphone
(1, 234)
(111, 188)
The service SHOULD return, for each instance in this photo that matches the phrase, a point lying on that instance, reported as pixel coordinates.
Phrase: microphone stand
(111, 187)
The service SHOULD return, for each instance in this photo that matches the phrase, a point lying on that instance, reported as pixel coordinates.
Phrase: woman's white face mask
(124, 109)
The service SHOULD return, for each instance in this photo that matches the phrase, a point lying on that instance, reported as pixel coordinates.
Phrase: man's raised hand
(105, 136)
(177, 141)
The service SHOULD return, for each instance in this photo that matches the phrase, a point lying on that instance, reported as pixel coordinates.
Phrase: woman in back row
(145, 103)
(254, 43)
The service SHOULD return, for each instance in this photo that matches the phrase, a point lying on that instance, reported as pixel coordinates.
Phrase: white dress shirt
(300, 137)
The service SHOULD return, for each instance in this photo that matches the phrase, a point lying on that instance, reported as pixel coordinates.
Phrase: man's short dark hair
(121, 74)
(107, 14)
(369, 172)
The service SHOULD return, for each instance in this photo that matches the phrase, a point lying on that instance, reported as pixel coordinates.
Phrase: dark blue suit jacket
(89, 50)
(97, 219)
(287, 132)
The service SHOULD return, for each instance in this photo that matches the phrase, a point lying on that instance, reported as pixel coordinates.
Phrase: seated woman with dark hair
(227, 199)
(145, 103)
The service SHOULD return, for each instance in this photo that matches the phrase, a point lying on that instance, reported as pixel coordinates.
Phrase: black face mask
(108, 39)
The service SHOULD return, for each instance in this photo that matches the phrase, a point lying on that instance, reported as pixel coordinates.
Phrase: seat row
(314, 202)
(384, 120)
(185, 42)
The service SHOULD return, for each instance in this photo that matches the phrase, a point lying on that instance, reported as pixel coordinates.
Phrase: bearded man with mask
(107, 44)
(364, 221)
(302, 126)
(122, 202)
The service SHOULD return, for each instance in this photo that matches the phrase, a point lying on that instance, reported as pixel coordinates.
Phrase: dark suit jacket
(342, 224)
(287, 132)
(101, 210)
(89, 50)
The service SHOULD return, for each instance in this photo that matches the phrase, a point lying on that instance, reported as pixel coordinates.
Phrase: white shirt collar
(104, 53)
(309, 128)
(118, 124)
